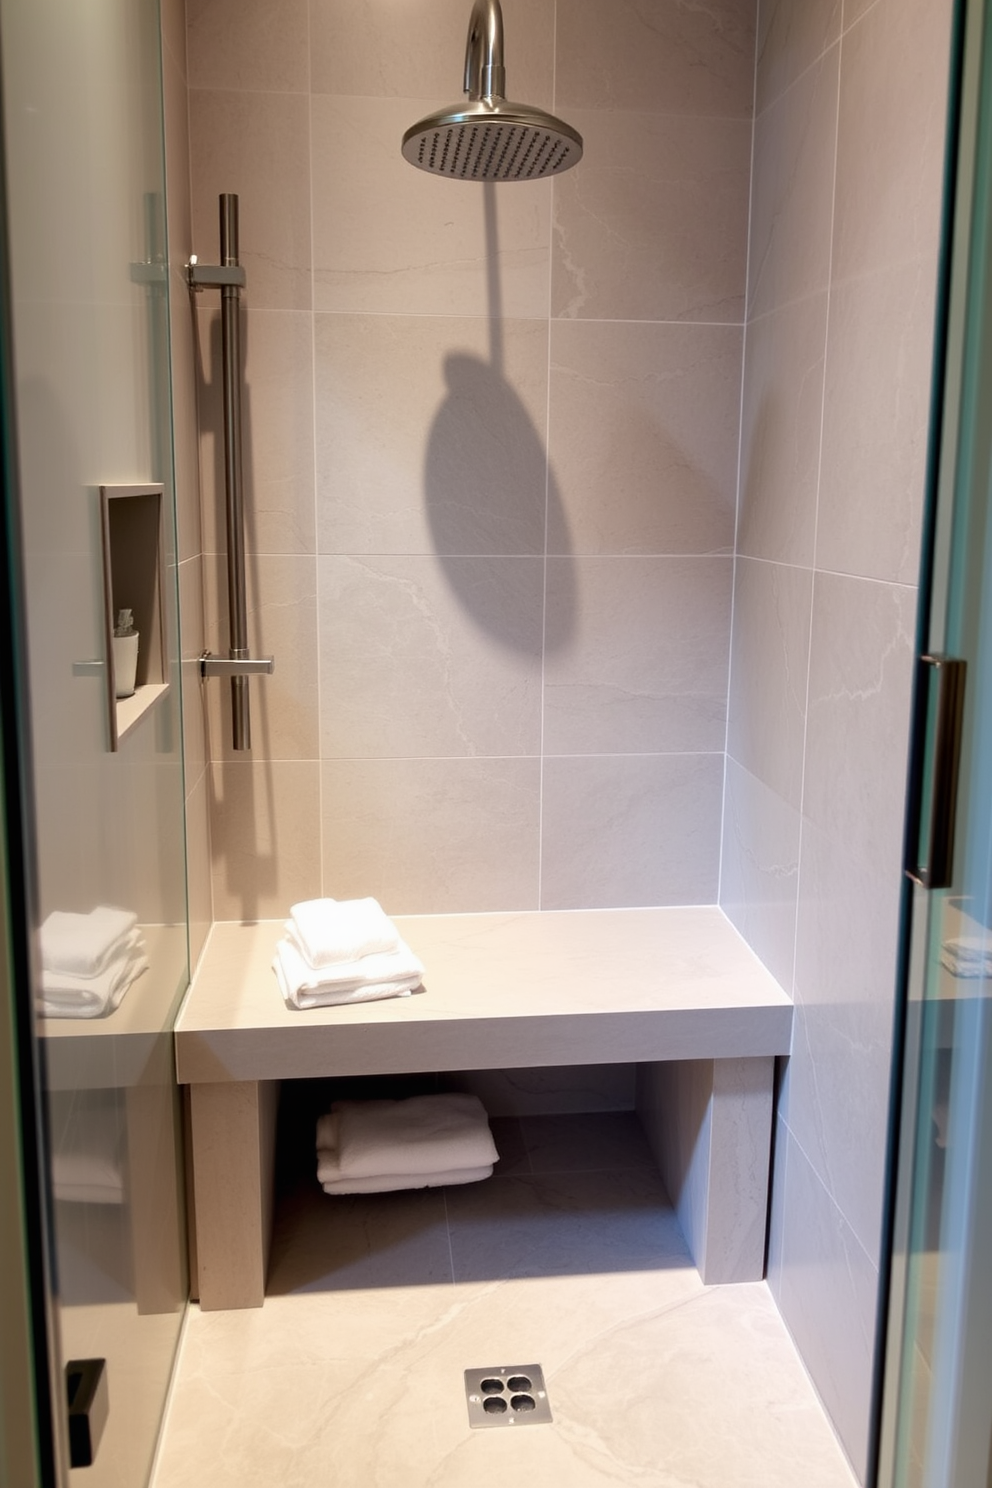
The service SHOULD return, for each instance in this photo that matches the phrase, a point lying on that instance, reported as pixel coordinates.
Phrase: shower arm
(485, 75)
(229, 278)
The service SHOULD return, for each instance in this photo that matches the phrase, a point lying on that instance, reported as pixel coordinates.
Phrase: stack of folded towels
(380, 1145)
(968, 955)
(342, 950)
(88, 961)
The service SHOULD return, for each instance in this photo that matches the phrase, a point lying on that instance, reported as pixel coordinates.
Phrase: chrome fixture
(229, 278)
(488, 138)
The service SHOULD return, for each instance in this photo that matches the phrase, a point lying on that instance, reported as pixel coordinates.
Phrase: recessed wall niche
(131, 524)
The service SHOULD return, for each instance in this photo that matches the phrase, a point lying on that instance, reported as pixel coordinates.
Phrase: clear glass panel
(85, 174)
(938, 1428)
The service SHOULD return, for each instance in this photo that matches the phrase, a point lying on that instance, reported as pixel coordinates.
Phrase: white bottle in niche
(125, 654)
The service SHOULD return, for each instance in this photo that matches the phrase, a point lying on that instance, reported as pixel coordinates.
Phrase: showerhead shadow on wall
(488, 484)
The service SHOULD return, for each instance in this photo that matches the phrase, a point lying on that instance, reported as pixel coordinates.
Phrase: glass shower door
(84, 158)
(937, 1414)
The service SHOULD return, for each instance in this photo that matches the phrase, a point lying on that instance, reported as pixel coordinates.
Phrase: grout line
(447, 1231)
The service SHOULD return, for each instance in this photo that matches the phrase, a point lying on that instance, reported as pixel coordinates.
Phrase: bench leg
(709, 1122)
(233, 1129)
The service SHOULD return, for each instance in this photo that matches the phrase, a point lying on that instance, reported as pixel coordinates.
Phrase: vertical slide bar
(230, 308)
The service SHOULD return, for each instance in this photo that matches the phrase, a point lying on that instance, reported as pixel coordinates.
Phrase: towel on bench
(326, 931)
(405, 1143)
(63, 995)
(386, 974)
(84, 944)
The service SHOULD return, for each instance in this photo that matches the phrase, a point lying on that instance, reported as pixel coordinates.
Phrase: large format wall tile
(768, 672)
(432, 836)
(644, 423)
(405, 671)
(839, 1072)
(792, 190)
(652, 223)
(282, 623)
(645, 669)
(666, 57)
(781, 418)
(859, 694)
(265, 837)
(390, 239)
(876, 420)
(377, 49)
(277, 430)
(792, 35)
(256, 145)
(431, 434)
(248, 44)
(760, 870)
(621, 831)
(890, 146)
(826, 1289)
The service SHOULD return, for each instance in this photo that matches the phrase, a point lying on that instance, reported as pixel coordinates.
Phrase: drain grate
(509, 1395)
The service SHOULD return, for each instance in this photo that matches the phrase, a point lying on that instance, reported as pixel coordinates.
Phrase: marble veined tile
(653, 1380)
(609, 1140)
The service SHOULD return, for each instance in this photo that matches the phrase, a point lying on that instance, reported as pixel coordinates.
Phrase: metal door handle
(934, 770)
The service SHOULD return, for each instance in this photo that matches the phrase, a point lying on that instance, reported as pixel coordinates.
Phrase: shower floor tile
(351, 1374)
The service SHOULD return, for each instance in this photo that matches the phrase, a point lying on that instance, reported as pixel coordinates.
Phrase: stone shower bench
(675, 991)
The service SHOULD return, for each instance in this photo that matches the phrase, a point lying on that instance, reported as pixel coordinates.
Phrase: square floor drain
(509, 1395)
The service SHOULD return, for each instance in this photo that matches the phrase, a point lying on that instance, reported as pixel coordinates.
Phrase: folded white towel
(425, 1134)
(967, 956)
(389, 1182)
(65, 996)
(327, 931)
(82, 944)
(91, 1173)
(386, 974)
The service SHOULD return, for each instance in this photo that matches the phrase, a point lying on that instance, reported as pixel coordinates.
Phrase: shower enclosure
(88, 408)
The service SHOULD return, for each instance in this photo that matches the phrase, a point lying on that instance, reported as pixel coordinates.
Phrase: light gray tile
(277, 401)
(198, 868)
(629, 830)
(431, 434)
(550, 1091)
(876, 423)
(256, 145)
(383, 50)
(611, 1141)
(792, 192)
(343, 1242)
(644, 666)
(890, 146)
(781, 418)
(644, 426)
(792, 35)
(281, 605)
(390, 240)
(760, 870)
(652, 223)
(265, 837)
(665, 57)
(432, 836)
(840, 1069)
(861, 661)
(426, 657)
(248, 44)
(827, 1294)
(552, 1225)
(768, 674)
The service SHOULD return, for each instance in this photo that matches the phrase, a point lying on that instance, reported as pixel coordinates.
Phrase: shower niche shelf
(133, 563)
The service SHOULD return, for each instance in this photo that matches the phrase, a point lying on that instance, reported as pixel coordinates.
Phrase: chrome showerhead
(488, 138)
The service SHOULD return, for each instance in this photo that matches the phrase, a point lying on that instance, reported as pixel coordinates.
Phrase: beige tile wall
(186, 455)
(846, 192)
(491, 455)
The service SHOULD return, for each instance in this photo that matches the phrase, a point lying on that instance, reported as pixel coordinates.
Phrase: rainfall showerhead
(488, 138)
